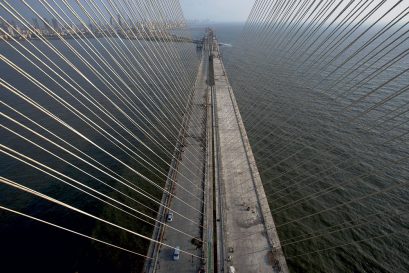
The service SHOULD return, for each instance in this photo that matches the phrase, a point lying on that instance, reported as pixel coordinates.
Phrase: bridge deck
(249, 237)
(245, 231)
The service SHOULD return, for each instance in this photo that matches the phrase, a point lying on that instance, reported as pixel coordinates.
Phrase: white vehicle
(176, 254)
(169, 218)
(232, 269)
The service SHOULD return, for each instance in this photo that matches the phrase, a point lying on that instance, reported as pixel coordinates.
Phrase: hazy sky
(217, 10)
(238, 10)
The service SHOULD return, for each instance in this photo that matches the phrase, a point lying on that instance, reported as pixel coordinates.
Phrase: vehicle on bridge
(169, 217)
(176, 253)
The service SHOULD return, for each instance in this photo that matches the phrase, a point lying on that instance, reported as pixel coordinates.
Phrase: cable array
(322, 89)
(96, 100)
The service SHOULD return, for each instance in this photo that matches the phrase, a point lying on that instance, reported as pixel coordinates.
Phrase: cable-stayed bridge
(131, 144)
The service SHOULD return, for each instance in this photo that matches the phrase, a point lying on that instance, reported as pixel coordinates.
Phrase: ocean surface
(318, 163)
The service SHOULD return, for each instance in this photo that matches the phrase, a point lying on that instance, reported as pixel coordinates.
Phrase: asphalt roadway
(190, 174)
